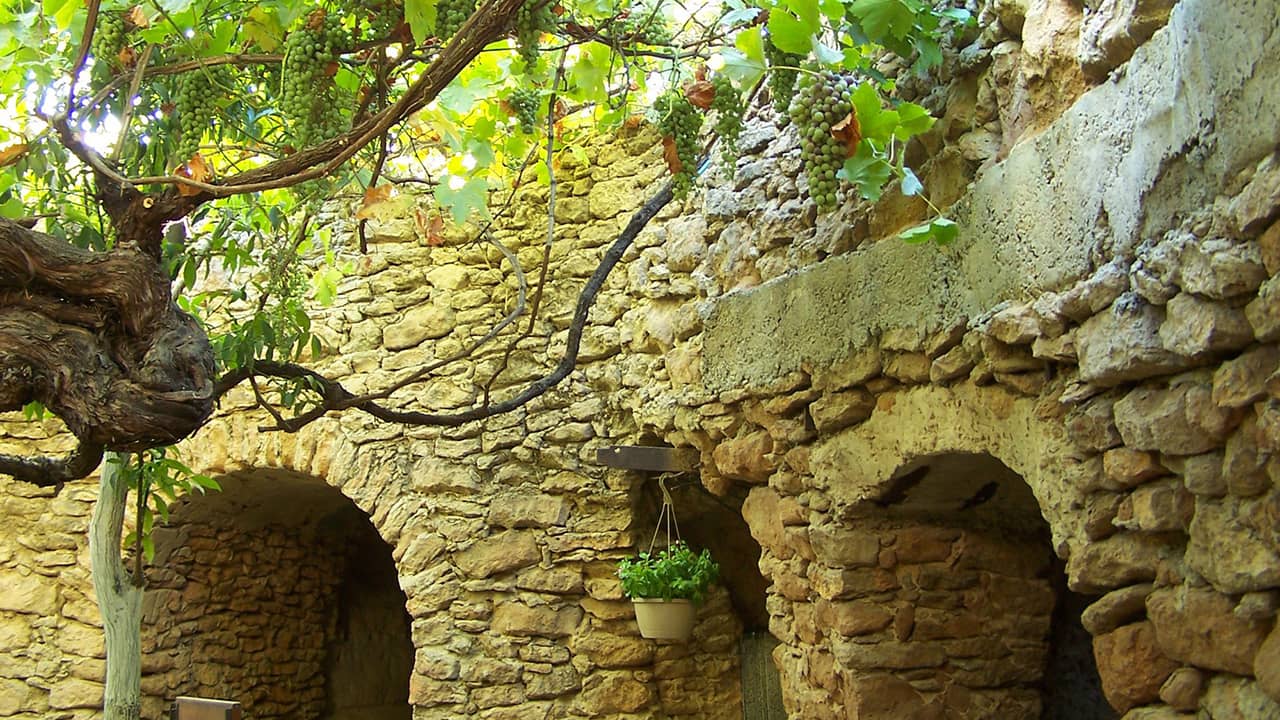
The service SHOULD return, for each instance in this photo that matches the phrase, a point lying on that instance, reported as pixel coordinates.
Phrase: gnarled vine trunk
(97, 338)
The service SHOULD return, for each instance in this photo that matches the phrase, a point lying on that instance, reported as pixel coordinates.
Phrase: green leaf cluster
(675, 572)
(157, 479)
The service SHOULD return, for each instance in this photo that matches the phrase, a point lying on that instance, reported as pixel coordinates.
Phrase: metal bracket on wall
(648, 457)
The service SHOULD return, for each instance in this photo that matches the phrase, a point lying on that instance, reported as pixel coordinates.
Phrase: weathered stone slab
(1029, 224)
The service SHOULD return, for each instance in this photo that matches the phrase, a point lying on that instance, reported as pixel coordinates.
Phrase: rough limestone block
(1197, 627)
(1264, 311)
(419, 324)
(1131, 666)
(1231, 543)
(1180, 420)
(1111, 33)
(1122, 343)
(1118, 561)
(1221, 269)
(498, 553)
(1241, 381)
(1266, 665)
(1116, 608)
(1194, 326)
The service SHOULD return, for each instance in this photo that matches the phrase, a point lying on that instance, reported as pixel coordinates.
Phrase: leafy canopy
(259, 110)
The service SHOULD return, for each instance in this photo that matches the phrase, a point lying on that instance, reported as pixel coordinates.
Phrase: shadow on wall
(279, 593)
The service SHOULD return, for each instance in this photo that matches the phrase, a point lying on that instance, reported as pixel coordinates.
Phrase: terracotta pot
(665, 619)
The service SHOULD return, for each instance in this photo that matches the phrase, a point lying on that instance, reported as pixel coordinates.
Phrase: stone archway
(1010, 629)
(277, 592)
(913, 559)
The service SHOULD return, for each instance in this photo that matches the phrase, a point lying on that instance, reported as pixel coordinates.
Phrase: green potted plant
(666, 587)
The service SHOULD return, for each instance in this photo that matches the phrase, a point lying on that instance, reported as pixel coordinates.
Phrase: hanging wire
(666, 516)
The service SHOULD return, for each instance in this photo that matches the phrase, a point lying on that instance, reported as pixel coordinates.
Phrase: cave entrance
(1015, 643)
(277, 592)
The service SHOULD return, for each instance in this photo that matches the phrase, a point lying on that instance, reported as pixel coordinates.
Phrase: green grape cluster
(524, 103)
(384, 16)
(307, 100)
(109, 39)
(679, 120)
(532, 19)
(450, 14)
(643, 25)
(782, 82)
(821, 102)
(195, 105)
(729, 109)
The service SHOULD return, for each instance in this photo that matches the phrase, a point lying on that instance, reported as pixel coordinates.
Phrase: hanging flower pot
(665, 619)
(666, 588)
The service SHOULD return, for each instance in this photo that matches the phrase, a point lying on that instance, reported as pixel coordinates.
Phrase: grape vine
(311, 53)
(109, 38)
(524, 104)
(729, 110)
(532, 19)
(679, 122)
(821, 102)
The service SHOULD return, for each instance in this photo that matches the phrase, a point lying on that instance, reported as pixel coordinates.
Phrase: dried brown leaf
(373, 197)
(315, 21)
(671, 154)
(137, 18)
(430, 227)
(196, 168)
(13, 154)
(701, 93)
(849, 132)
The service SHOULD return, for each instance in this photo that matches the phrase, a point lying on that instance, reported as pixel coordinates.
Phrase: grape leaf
(469, 196)
(911, 184)
(263, 28)
(789, 34)
(421, 16)
(589, 73)
(912, 120)
(807, 11)
(876, 122)
(884, 18)
(62, 11)
(941, 231)
(868, 170)
(745, 62)
(828, 55)
(944, 230)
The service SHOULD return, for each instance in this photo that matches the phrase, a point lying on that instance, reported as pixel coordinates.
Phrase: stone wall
(1105, 328)
(911, 434)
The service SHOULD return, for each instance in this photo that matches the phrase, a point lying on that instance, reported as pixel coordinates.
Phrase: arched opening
(1005, 595)
(716, 523)
(277, 592)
